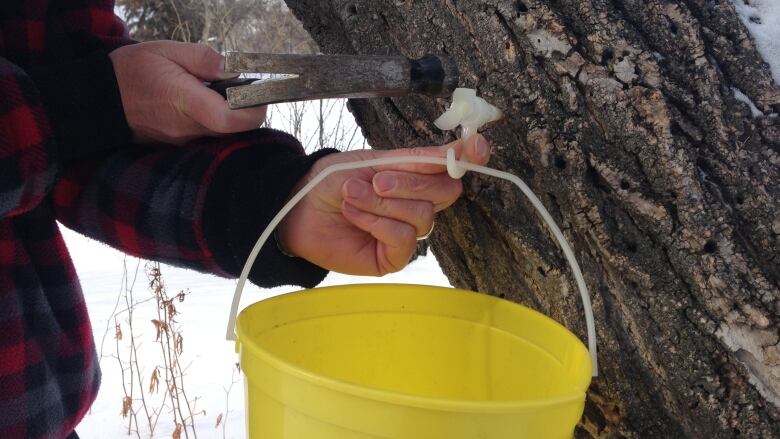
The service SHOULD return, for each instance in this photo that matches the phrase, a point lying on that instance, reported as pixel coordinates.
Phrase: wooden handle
(337, 76)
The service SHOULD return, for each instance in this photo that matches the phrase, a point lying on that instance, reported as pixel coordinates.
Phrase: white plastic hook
(455, 170)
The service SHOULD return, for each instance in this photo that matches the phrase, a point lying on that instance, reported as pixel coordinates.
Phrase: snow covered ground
(762, 18)
(209, 358)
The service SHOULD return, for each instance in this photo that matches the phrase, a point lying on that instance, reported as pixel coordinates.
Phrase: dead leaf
(161, 327)
(127, 406)
(154, 382)
(177, 433)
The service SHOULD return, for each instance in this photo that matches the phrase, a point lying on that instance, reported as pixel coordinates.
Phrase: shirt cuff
(246, 192)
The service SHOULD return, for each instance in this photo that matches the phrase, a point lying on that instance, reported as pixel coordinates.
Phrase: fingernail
(355, 188)
(223, 74)
(384, 182)
(483, 148)
(346, 207)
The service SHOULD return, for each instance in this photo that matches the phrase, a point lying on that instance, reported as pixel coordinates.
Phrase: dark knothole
(607, 55)
(631, 247)
(673, 28)
(624, 185)
(560, 162)
(711, 246)
(521, 7)
(352, 10)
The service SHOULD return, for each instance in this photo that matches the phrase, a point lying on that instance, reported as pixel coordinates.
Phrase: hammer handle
(337, 76)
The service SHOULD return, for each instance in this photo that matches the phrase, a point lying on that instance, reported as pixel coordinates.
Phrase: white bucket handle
(456, 168)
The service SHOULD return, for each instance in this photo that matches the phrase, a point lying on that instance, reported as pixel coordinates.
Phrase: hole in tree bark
(673, 28)
(560, 162)
(710, 246)
(633, 285)
(624, 185)
(631, 247)
(595, 179)
(352, 10)
(521, 7)
(607, 55)
(740, 199)
(539, 269)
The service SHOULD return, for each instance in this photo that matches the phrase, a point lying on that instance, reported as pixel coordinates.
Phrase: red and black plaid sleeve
(201, 206)
(27, 153)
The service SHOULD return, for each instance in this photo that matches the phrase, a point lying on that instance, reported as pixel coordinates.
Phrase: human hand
(366, 221)
(164, 96)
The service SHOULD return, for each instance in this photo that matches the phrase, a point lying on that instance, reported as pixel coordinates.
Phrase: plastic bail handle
(456, 169)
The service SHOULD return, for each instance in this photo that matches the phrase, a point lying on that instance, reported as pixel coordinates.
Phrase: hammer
(309, 77)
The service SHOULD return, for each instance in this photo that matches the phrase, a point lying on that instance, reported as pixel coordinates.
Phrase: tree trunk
(622, 117)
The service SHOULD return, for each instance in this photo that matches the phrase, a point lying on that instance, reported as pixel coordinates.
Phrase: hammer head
(338, 76)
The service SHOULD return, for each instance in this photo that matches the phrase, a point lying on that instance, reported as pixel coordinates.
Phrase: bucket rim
(406, 399)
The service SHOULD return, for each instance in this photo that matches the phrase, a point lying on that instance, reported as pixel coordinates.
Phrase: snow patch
(762, 18)
(742, 97)
(546, 43)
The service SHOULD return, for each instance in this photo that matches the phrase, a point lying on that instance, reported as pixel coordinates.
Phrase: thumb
(200, 60)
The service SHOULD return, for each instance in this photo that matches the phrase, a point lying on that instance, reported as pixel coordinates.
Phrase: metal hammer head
(337, 76)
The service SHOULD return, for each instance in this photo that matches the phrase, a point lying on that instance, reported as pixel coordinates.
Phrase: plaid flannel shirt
(65, 154)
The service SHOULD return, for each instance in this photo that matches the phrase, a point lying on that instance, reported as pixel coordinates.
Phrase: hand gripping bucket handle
(456, 169)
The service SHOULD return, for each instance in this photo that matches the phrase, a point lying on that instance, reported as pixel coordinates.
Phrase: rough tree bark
(621, 115)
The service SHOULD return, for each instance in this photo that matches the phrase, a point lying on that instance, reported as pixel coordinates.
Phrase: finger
(439, 189)
(208, 108)
(476, 148)
(199, 60)
(418, 213)
(396, 240)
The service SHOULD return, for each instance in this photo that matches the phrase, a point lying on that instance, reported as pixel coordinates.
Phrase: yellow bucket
(408, 362)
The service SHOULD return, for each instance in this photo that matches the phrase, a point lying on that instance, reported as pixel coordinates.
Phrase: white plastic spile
(470, 112)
